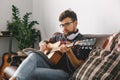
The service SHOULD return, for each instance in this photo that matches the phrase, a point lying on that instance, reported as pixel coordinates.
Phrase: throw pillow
(116, 44)
(109, 42)
(101, 65)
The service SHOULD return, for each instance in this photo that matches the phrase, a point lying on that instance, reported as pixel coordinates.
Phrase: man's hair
(68, 13)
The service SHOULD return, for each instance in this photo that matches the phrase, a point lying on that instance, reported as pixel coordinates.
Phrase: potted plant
(22, 29)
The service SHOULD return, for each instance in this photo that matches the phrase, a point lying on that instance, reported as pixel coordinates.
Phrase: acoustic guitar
(55, 55)
(6, 59)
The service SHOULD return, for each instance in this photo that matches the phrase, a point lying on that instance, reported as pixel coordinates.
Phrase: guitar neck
(83, 43)
(69, 45)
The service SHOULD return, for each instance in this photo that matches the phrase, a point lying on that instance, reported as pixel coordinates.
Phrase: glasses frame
(65, 24)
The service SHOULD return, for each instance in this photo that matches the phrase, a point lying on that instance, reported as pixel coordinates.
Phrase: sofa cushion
(101, 65)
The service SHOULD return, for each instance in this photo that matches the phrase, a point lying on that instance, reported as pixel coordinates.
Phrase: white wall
(6, 10)
(94, 16)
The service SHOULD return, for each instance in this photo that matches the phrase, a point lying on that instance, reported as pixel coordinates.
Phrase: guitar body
(5, 63)
(56, 56)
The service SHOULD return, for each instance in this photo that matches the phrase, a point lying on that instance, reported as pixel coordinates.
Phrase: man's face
(68, 25)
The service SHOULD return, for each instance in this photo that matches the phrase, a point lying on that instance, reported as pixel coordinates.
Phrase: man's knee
(33, 57)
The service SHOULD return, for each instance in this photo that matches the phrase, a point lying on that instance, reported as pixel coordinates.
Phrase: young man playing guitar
(37, 67)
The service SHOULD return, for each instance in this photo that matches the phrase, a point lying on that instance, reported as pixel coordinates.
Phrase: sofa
(100, 39)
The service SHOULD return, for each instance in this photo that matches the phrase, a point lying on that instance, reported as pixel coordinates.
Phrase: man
(39, 67)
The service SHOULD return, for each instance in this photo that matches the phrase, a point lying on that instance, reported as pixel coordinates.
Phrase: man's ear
(75, 23)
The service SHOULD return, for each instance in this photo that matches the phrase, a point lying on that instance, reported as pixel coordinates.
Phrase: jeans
(35, 67)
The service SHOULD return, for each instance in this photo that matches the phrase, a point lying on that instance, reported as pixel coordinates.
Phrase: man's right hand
(43, 46)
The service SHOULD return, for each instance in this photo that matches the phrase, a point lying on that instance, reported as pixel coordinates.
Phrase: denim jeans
(36, 67)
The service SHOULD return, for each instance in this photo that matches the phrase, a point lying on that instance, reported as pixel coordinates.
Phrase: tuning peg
(90, 47)
(83, 47)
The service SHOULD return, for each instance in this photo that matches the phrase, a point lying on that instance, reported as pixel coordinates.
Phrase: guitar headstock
(86, 42)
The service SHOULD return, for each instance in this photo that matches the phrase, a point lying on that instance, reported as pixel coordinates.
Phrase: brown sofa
(100, 38)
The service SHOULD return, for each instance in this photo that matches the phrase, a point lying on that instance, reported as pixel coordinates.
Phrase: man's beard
(71, 32)
(68, 33)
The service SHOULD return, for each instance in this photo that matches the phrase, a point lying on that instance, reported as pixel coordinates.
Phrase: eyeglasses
(65, 24)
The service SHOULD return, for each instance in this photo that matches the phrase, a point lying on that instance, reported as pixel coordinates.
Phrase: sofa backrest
(99, 37)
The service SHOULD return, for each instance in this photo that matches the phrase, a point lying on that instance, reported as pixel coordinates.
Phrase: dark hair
(68, 13)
